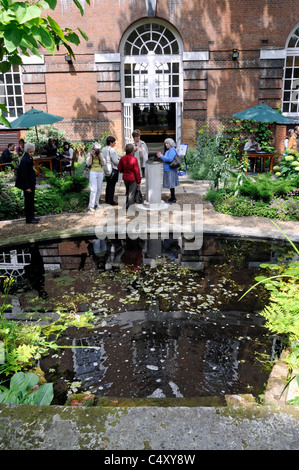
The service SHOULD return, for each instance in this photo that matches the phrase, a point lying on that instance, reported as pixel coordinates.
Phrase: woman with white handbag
(95, 162)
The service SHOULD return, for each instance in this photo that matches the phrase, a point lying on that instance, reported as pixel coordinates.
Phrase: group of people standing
(292, 139)
(132, 166)
(101, 161)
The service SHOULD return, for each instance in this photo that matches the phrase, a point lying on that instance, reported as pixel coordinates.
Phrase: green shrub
(44, 134)
(10, 202)
(214, 196)
(288, 166)
(258, 189)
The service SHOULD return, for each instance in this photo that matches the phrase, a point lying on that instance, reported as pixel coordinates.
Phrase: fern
(282, 313)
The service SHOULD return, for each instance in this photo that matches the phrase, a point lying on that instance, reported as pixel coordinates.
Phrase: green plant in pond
(26, 342)
(282, 311)
(24, 390)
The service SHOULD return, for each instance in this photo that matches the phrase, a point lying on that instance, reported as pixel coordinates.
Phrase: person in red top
(128, 166)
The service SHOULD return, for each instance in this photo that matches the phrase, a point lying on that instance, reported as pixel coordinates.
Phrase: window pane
(175, 80)
(287, 84)
(286, 96)
(175, 92)
(292, 42)
(9, 93)
(128, 48)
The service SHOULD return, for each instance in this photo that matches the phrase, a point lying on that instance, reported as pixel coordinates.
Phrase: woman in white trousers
(96, 176)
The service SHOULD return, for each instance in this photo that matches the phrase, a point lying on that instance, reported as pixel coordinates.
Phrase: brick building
(167, 66)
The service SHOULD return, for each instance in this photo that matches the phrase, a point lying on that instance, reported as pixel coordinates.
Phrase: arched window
(290, 96)
(151, 55)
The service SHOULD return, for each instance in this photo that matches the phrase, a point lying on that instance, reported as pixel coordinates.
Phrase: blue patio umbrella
(262, 113)
(35, 117)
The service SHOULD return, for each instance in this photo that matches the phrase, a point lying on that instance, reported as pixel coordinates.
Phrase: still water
(169, 320)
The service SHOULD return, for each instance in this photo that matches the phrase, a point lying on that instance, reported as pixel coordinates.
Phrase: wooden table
(39, 161)
(262, 155)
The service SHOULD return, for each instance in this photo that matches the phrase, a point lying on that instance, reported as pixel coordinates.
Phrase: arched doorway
(151, 82)
(290, 95)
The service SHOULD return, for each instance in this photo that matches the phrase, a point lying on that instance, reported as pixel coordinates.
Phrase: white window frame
(151, 61)
(290, 90)
(7, 96)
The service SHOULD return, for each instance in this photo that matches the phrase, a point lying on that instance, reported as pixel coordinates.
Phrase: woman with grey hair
(26, 180)
(96, 176)
(170, 175)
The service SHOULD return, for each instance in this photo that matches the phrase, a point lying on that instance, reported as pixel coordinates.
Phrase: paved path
(189, 194)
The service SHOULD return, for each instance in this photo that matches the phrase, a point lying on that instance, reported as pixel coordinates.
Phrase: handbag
(86, 172)
(138, 197)
(176, 162)
(107, 167)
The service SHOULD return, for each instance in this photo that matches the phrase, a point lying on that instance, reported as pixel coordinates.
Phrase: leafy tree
(24, 26)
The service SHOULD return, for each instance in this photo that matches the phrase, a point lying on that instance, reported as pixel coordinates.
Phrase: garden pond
(169, 319)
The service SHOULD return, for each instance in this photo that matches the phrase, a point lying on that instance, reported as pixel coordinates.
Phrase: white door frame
(151, 79)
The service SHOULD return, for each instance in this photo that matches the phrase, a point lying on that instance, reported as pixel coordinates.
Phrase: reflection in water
(195, 339)
(142, 354)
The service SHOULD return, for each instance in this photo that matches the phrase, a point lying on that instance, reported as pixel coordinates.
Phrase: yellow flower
(295, 163)
(276, 167)
(297, 168)
(289, 158)
(278, 173)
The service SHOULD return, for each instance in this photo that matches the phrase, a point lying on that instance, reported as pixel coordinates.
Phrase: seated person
(50, 149)
(252, 145)
(7, 154)
(20, 148)
(65, 156)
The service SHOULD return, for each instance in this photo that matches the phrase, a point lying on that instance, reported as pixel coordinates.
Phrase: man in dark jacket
(7, 154)
(26, 181)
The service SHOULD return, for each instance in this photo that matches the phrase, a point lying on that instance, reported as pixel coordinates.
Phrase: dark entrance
(156, 122)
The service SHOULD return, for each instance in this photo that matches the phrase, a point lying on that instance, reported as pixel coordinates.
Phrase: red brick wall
(88, 94)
